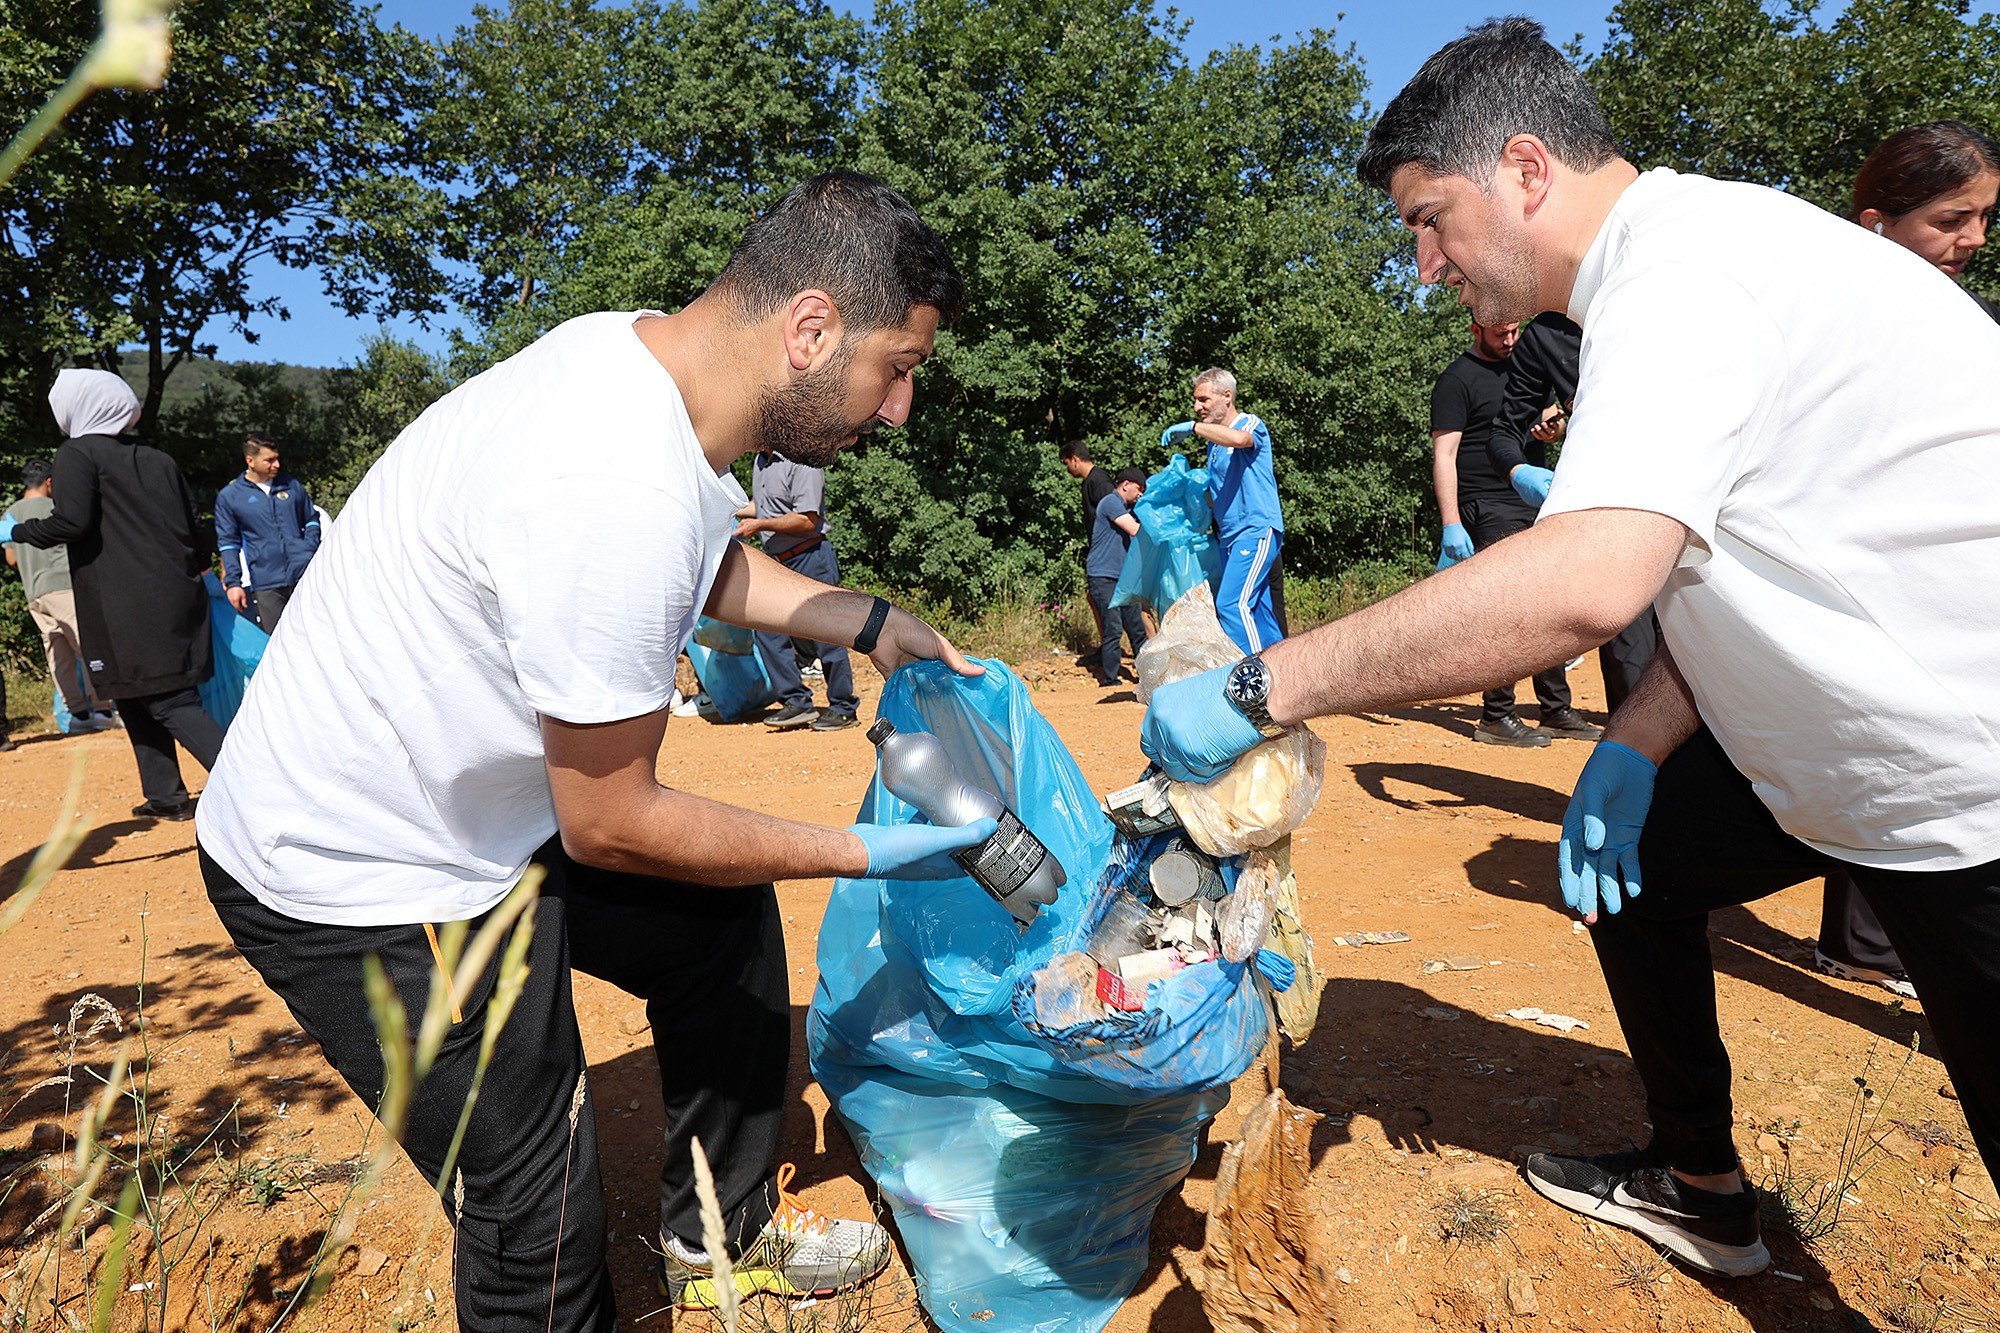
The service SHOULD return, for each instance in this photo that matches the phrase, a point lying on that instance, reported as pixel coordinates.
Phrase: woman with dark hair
(1931, 189)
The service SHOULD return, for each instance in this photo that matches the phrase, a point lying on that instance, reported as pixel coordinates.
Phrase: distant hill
(191, 377)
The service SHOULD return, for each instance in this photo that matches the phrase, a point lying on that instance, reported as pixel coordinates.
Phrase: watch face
(1249, 683)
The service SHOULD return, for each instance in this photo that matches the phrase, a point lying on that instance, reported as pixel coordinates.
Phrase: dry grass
(1470, 1218)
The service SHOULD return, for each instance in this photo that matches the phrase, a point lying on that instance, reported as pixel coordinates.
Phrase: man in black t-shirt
(1479, 507)
(1097, 484)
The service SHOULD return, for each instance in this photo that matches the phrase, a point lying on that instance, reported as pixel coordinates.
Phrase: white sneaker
(798, 1253)
(1896, 983)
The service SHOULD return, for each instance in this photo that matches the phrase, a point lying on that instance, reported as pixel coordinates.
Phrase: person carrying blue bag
(136, 559)
(1243, 491)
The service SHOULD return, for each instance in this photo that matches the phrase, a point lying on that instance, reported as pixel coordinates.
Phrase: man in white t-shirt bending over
(450, 702)
(1809, 505)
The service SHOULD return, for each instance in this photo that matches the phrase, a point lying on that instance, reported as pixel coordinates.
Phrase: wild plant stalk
(1811, 1206)
(88, 1165)
(714, 1239)
(405, 1064)
(130, 52)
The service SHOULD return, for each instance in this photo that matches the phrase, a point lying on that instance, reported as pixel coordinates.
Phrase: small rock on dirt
(369, 1262)
(1441, 1013)
(1521, 1295)
(1543, 1110)
(47, 1136)
(634, 1023)
(1768, 1143)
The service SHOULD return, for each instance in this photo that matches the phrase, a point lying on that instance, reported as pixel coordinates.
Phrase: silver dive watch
(1248, 688)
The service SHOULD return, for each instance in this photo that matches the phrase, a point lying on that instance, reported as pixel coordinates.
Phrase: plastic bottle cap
(881, 731)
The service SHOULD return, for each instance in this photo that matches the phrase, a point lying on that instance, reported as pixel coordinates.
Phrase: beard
(1506, 291)
(803, 420)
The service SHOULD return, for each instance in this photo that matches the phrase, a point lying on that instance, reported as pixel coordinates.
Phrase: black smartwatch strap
(878, 614)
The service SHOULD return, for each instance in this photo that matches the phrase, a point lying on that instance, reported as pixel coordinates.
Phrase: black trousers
(530, 1242)
(781, 655)
(1487, 522)
(1624, 658)
(1115, 623)
(1848, 929)
(270, 604)
(1710, 843)
(153, 722)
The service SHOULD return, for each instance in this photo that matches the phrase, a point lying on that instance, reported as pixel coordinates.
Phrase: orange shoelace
(793, 1215)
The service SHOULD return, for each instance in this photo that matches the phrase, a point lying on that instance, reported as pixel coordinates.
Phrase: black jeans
(1116, 622)
(1709, 843)
(270, 604)
(530, 1243)
(781, 658)
(1848, 929)
(1623, 659)
(1488, 521)
(153, 722)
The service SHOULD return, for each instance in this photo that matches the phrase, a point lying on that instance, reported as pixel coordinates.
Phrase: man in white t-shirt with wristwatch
(1810, 508)
(449, 703)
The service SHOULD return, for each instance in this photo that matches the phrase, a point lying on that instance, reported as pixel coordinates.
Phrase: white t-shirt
(1821, 409)
(539, 541)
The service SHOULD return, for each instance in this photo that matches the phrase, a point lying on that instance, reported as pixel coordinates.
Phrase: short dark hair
(1923, 162)
(35, 472)
(1499, 80)
(255, 441)
(855, 239)
(1137, 474)
(1078, 449)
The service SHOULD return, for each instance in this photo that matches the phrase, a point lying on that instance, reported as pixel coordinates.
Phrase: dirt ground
(1430, 1093)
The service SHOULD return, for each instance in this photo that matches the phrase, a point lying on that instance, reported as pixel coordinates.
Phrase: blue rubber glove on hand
(1193, 731)
(1597, 858)
(1457, 546)
(6, 529)
(1173, 435)
(1531, 483)
(919, 851)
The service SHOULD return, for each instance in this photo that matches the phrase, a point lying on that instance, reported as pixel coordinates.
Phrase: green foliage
(141, 221)
(1786, 95)
(369, 404)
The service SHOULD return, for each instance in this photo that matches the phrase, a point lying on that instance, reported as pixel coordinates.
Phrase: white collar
(1607, 245)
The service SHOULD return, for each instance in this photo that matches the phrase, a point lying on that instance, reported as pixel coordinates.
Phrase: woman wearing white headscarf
(136, 557)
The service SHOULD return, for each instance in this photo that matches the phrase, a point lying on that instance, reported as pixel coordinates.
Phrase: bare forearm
(798, 525)
(1444, 481)
(757, 592)
(1660, 712)
(682, 836)
(1528, 602)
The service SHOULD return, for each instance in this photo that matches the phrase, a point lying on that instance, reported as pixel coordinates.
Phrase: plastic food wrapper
(737, 683)
(1271, 789)
(1022, 1133)
(237, 649)
(1175, 549)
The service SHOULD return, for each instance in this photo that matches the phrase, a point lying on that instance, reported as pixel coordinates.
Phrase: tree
(142, 221)
(1730, 89)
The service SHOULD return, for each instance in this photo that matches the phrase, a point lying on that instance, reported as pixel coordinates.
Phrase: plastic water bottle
(1012, 865)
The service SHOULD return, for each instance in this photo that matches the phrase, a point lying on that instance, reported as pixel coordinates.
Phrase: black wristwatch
(1249, 689)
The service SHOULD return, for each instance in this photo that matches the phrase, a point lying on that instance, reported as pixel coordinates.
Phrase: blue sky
(1392, 36)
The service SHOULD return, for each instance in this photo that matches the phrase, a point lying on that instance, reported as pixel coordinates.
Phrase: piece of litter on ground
(1441, 1013)
(1789, 1277)
(1560, 1022)
(1490, 925)
(1461, 964)
(1357, 938)
(1576, 927)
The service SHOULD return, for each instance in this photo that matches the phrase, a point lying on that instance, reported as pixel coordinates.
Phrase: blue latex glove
(1173, 435)
(1457, 546)
(1531, 483)
(1192, 730)
(1597, 857)
(919, 851)
(6, 529)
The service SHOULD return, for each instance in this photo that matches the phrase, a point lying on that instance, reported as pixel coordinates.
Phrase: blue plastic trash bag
(1023, 1167)
(737, 683)
(237, 647)
(1175, 547)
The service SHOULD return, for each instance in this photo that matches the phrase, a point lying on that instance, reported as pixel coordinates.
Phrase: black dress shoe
(791, 717)
(1569, 724)
(1509, 730)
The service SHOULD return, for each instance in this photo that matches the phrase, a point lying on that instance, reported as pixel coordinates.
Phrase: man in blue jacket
(265, 524)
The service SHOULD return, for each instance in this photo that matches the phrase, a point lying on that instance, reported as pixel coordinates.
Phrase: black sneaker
(835, 722)
(1716, 1233)
(175, 811)
(791, 717)
(1569, 725)
(1509, 730)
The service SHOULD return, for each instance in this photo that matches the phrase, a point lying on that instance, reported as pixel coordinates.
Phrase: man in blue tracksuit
(265, 524)
(1243, 492)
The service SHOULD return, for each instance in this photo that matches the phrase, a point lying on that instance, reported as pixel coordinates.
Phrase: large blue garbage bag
(1175, 547)
(738, 684)
(237, 646)
(1023, 1168)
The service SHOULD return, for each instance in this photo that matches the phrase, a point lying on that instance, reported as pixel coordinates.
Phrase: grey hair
(1217, 376)
(1499, 80)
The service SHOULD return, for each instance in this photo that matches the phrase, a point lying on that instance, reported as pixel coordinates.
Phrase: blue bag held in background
(1023, 1167)
(737, 683)
(1175, 547)
(238, 646)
